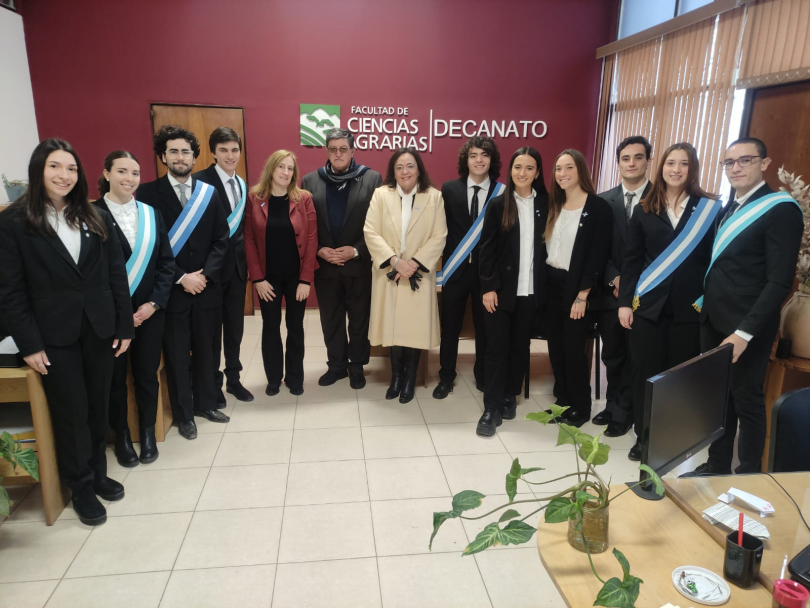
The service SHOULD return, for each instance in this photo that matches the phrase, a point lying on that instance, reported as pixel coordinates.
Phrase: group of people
(665, 272)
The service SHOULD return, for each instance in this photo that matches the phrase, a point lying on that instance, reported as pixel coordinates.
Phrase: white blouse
(563, 237)
(71, 237)
(525, 207)
(127, 217)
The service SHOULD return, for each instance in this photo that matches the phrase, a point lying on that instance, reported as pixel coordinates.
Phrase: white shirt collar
(744, 198)
(638, 192)
(531, 197)
(484, 185)
(175, 183)
(128, 207)
(225, 177)
(403, 194)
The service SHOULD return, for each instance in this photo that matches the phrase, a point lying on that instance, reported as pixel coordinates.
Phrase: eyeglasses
(343, 150)
(743, 161)
(409, 167)
(175, 152)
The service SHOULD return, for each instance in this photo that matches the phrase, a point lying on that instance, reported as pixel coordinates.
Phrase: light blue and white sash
(144, 246)
(190, 217)
(468, 243)
(236, 215)
(737, 223)
(679, 249)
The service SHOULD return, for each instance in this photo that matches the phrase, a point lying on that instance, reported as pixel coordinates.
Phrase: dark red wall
(96, 66)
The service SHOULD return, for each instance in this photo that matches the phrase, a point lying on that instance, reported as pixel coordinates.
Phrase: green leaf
(439, 517)
(583, 497)
(326, 122)
(594, 452)
(559, 510)
(659, 485)
(466, 500)
(5, 501)
(531, 470)
(516, 533)
(567, 435)
(509, 514)
(546, 417)
(512, 478)
(616, 593)
(27, 459)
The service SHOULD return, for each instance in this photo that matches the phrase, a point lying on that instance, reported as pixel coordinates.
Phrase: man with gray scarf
(342, 191)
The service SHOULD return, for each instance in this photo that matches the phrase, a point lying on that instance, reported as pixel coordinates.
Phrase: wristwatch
(155, 305)
(356, 254)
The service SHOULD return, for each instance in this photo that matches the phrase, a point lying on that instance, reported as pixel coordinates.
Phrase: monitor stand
(646, 494)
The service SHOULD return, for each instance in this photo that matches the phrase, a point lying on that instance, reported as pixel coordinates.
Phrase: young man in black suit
(633, 157)
(341, 192)
(479, 166)
(744, 291)
(226, 148)
(199, 240)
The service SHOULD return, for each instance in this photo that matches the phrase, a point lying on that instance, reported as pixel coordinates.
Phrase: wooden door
(202, 120)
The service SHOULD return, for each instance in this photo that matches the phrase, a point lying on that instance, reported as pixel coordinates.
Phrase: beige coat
(400, 316)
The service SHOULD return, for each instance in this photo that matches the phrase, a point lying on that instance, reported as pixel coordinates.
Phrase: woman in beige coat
(405, 232)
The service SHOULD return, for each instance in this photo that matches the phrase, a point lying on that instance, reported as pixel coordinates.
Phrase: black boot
(87, 506)
(396, 372)
(149, 450)
(411, 367)
(124, 452)
(509, 407)
(490, 420)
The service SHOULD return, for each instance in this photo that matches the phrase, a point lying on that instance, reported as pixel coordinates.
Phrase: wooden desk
(774, 387)
(24, 384)
(788, 533)
(656, 537)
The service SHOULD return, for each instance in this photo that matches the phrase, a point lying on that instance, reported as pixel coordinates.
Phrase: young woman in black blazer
(666, 329)
(578, 236)
(64, 296)
(509, 267)
(150, 273)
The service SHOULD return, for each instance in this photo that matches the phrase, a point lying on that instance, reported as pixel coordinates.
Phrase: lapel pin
(84, 225)
(584, 214)
(263, 204)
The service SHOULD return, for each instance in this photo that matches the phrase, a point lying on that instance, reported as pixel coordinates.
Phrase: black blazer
(44, 294)
(590, 254)
(206, 248)
(499, 259)
(747, 284)
(361, 190)
(649, 234)
(456, 208)
(615, 198)
(156, 284)
(235, 257)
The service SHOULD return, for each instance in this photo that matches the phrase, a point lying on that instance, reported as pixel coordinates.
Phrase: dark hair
(103, 182)
(424, 178)
(487, 144)
(167, 133)
(761, 149)
(656, 200)
(629, 141)
(510, 212)
(338, 133)
(221, 135)
(35, 201)
(557, 197)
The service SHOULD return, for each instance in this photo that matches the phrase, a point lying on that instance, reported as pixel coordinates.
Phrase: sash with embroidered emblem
(679, 249)
(468, 243)
(736, 224)
(144, 246)
(236, 215)
(190, 217)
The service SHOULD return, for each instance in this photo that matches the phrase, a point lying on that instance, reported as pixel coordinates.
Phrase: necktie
(233, 192)
(628, 206)
(474, 205)
(183, 197)
(735, 205)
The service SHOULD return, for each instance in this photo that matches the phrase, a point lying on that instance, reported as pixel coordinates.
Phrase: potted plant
(15, 188)
(584, 505)
(12, 451)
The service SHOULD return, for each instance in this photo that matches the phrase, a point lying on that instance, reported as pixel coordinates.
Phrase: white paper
(730, 518)
(8, 347)
(755, 502)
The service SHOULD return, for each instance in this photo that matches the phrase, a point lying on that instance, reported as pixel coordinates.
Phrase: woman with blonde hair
(281, 240)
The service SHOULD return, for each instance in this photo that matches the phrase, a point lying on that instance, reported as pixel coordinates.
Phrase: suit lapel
(354, 194)
(169, 198)
(687, 213)
(393, 205)
(57, 244)
(620, 218)
(84, 250)
(419, 203)
(119, 233)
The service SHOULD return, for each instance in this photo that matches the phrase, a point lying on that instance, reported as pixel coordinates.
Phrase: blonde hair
(264, 188)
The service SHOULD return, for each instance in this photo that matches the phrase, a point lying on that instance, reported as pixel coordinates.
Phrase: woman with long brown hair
(669, 246)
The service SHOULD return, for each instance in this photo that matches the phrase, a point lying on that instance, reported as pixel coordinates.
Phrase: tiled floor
(324, 500)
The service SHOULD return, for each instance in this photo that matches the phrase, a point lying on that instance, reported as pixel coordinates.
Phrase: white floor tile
(451, 409)
(33, 551)
(485, 473)
(262, 447)
(320, 445)
(160, 492)
(395, 478)
(351, 583)
(327, 415)
(385, 413)
(326, 532)
(339, 391)
(26, 595)
(460, 438)
(243, 586)
(403, 527)
(244, 487)
(315, 483)
(517, 579)
(262, 417)
(397, 441)
(179, 453)
(122, 591)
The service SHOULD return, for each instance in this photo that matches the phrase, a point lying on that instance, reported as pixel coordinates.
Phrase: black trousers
(339, 298)
(618, 365)
(144, 359)
(566, 345)
(231, 325)
(507, 350)
(188, 345)
(656, 347)
(77, 386)
(454, 305)
(273, 354)
(746, 401)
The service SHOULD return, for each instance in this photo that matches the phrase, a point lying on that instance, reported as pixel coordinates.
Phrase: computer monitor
(684, 412)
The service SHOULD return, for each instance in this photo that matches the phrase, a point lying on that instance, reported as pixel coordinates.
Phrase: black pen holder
(741, 563)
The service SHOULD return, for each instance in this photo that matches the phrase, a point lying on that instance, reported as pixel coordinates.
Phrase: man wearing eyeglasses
(198, 235)
(341, 192)
(744, 289)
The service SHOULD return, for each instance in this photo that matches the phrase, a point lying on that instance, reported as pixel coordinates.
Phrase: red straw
(740, 531)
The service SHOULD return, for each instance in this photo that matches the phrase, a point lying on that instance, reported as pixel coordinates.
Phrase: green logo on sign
(316, 120)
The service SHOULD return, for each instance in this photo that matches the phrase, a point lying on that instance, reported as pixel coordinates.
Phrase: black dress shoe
(488, 423)
(149, 449)
(602, 418)
(706, 470)
(213, 416)
(357, 380)
(240, 392)
(408, 390)
(617, 429)
(187, 429)
(442, 389)
(509, 407)
(272, 389)
(635, 452)
(296, 390)
(222, 402)
(109, 489)
(575, 417)
(332, 376)
(124, 451)
(87, 506)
